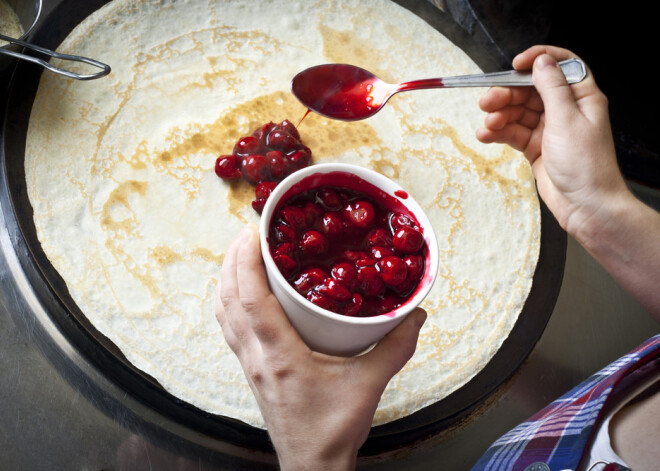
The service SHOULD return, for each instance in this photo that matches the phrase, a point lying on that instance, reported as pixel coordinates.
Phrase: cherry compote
(347, 253)
(264, 158)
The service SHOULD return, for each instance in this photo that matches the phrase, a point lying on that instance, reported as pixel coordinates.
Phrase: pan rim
(386, 437)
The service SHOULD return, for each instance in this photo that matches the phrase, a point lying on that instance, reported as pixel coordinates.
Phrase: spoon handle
(573, 69)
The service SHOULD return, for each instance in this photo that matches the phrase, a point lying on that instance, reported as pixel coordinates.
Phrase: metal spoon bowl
(350, 93)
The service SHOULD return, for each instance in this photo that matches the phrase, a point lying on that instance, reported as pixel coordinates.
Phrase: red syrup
(267, 156)
(346, 92)
(348, 247)
(336, 90)
(304, 116)
(401, 194)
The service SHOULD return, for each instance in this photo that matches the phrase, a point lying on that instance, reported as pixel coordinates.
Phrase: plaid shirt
(559, 434)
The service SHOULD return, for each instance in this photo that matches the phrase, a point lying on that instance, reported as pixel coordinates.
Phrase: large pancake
(129, 211)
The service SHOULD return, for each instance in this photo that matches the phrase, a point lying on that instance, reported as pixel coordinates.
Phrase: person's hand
(318, 409)
(565, 133)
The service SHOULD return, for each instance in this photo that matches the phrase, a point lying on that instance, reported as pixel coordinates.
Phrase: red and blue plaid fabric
(559, 433)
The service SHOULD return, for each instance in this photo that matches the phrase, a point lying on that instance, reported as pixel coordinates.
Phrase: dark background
(617, 40)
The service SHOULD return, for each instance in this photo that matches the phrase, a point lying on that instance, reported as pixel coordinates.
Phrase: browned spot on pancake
(120, 196)
(347, 48)
(164, 255)
(207, 255)
(240, 195)
(512, 188)
(329, 138)
(326, 138)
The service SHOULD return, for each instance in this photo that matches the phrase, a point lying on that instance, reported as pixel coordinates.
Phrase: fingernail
(420, 318)
(249, 233)
(545, 60)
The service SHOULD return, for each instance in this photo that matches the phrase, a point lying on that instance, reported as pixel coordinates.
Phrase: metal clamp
(105, 69)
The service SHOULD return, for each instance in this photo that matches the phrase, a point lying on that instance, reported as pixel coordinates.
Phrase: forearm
(624, 237)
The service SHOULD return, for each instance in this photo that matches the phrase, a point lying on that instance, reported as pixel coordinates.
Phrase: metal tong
(105, 69)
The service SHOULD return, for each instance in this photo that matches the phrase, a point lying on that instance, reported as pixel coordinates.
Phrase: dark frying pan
(104, 355)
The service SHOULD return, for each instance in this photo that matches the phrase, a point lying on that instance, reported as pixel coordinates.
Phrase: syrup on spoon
(350, 93)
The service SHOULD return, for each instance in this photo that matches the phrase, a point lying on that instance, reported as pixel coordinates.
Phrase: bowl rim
(368, 175)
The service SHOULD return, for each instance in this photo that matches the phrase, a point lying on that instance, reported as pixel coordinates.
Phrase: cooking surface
(59, 414)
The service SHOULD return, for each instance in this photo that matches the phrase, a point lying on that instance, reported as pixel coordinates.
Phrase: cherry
(281, 140)
(247, 146)
(312, 212)
(299, 159)
(329, 199)
(360, 213)
(345, 274)
(388, 303)
(333, 290)
(288, 126)
(354, 255)
(380, 252)
(415, 264)
(406, 288)
(313, 243)
(393, 270)
(264, 189)
(262, 132)
(354, 306)
(287, 265)
(271, 153)
(309, 279)
(408, 240)
(365, 261)
(398, 220)
(379, 236)
(332, 224)
(258, 204)
(370, 281)
(293, 217)
(284, 233)
(278, 164)
(226, 167)
(286, 248)
(256, 168)
(323, 302)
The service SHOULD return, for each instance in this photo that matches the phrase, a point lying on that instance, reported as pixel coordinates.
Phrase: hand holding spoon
(349, 93)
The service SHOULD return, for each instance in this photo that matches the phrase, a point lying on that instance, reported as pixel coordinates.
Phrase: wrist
(297, 451)
(608, 225)
(590, 223)
(623, 237)
(340, 461)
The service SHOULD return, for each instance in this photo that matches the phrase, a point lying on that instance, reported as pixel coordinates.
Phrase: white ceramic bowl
(322, 330)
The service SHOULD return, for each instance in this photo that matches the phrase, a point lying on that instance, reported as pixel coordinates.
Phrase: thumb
(395, 349)
(550, 82)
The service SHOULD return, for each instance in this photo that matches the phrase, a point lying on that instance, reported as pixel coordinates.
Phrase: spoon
(349, 93)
